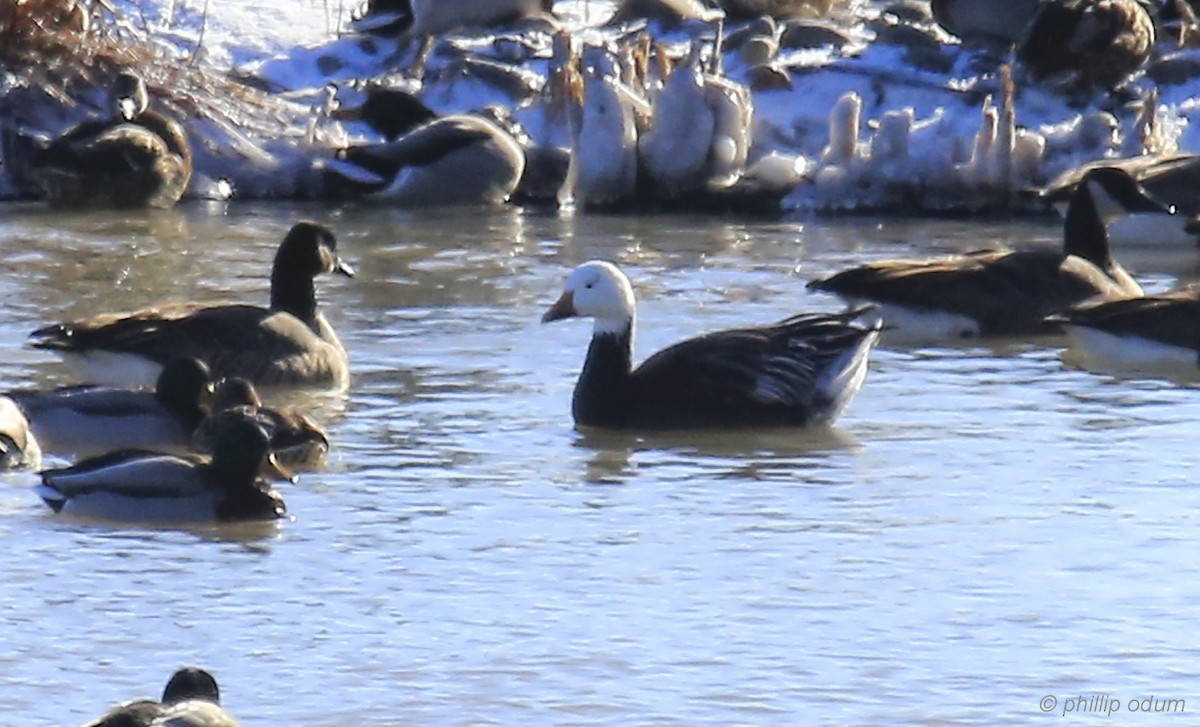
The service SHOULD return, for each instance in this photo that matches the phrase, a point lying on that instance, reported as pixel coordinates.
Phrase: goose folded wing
(1170, 319)
(777, 365)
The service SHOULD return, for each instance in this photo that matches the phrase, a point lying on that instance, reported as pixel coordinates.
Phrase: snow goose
(289, 343)
(136, 158)
(88, 420)
(801, 371)
(992, 292)
(603, 121)
(139, 485)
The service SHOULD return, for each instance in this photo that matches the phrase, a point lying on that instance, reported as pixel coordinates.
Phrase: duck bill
(564, 307)
(128, 108)
(272, 469)
(341, 267)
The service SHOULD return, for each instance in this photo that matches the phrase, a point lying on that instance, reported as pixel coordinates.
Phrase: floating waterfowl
(1087, 44)
(297, 441)
(1154, 333)
(289, 343)
(799, 372)
(136, 158)
(95, 419)
(18, 445)
(138, 485)
(992, 292)
(190, 699)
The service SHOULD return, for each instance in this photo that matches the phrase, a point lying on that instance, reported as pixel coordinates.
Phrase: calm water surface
(985, 526)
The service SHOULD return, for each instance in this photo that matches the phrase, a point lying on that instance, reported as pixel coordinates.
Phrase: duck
(297, 441)
(992, 292)
(289, 343)
(97, 419)
(19, 447)
(144, 486)
(802, 371)
(190, 697)
(137, 157)
(391, 112)
(1151, 333)
(1082, 45)
(460, 159)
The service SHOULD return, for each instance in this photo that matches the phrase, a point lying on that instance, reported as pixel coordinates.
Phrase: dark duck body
(136, 158)
(993, 292)
(289, 343)
(799, 372)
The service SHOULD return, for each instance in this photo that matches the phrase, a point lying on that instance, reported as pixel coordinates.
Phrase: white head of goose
(136, 485)
(18, 446)
(287, 344)
(135, 158)
(190, 699)
(992, 292)
(297, 441)
(801, 371)
(96, 419)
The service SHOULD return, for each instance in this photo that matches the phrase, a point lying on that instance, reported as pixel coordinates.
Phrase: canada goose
(288, 343)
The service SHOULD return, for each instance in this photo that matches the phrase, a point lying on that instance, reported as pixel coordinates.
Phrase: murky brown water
(984, 527)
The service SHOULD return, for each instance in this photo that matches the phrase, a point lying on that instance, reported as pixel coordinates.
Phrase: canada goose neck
(1084, 234)
(293, 291)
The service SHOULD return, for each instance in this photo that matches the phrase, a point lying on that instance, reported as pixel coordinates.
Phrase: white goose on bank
(604, 163)
(190, 699)
(992, 292)
(136, 485)
(289, 343)
(1155, 333)
(700, 132)
(18, 445)
(799, 372)
(87, 420)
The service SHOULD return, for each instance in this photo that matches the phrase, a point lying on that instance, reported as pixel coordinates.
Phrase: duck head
(128, 96)
(191, 683)
(185, 385)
